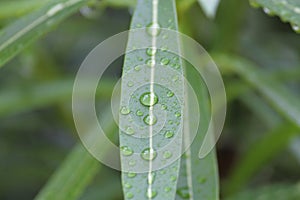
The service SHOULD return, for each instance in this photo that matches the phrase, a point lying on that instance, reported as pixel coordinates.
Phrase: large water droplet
(164, 61)
(151, 51)
(169, 134)
(148, 99)
(126, 151)
(148, 154)
(125, 110)
(183, 192)
(151, 193)
(150, 120)
(153, 29)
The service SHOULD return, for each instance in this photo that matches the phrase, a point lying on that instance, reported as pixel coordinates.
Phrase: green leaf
(28, 29)
(287, 10)
(198, 177)
(147, 98)
(209, 7)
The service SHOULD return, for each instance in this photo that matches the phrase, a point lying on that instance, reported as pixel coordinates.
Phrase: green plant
(271, 95)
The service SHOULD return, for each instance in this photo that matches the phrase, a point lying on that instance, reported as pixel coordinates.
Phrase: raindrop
(151, 51)
(129, 195)
(177, 114)
(137, 68)
(153, 29)
(164, 107)
(139, 113)
(169, 134)
(131, 175)
(148, 154)
(184, 193)
(127, 185)
(129, 130)
(125, 110)
(167, 155)
(126, 151)
(164, 61)
(151, 193)
(130, 84)
(149, 99)
(173, 178)
(170, 94)
(150, 62)
(150, 120)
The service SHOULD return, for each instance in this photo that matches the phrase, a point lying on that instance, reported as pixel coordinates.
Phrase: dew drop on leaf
(153, 29)
(164, 61)
(167, 154)
(148, 154)
(169, 134)
(183, 192)
(151, 194)
(150, 120)
(125, 110)
(126, 151)
(149, 99)
(151, 51)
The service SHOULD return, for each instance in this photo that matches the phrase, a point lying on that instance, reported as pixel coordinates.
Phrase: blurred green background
(258, 152)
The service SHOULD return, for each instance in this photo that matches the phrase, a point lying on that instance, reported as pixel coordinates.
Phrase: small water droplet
(164, 107)
(151, 193)
(151, 178)
(170, 94)
(139, 113)
(140, 58)
(130, 84)
(129, 130)
(148, 154)
(201, 180)
(183, 192)
(153, 29)
(150, 63)
(170, 122)
(138, 25)
(175, 78)
(164, 61)
(126, 151)
(137, 68)
(132, 163)
(151, 51)
(150, 120)
(149, 99)
(127, 185)
(167, 155)
(177, 114)
(173, 178)
(167, 189)
(129, 195)
(131, 175)
(125, 110)
(169, 134)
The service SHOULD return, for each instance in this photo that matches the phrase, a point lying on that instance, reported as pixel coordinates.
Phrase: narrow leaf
(148, 138)
(287, 10)
(28, 29)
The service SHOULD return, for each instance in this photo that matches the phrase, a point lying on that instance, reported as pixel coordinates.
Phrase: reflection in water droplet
(126, 151)
(169, 134)
(183, 192)
(164, 61)
(125, 110)
(148, 154)
(150, 120)
(153, 29)
(149, 99)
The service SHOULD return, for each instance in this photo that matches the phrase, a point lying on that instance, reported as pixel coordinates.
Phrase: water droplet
(150, 120)
(170, 122)
(151, 178)
(201, 180)
(296, 28)
(140, 58)
(164, 61)
(126, 151)
(169, 134)
(137, 68)
(148, 154)
(132, 163)
(130, 84)
(173, 178)
(131, 175)
(138, 25)
(267, 11)
(167, 155)
(129, 130)
(177, 114)
(139, 113)
(149, 99)
(150, 62)
(129, 195)
(125, 110)
(151, 51)
(127, 185)
(184, 193)
(151, 193)
(164, 107)
(153, 29)
(170, 94)
(167, 189)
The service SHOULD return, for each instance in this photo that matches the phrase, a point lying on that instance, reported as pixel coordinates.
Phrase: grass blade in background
(138, 70)
(287, 10)
(28, 29)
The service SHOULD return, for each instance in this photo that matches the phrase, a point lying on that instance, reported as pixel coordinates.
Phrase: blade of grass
(28, 29)
(158, 183)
